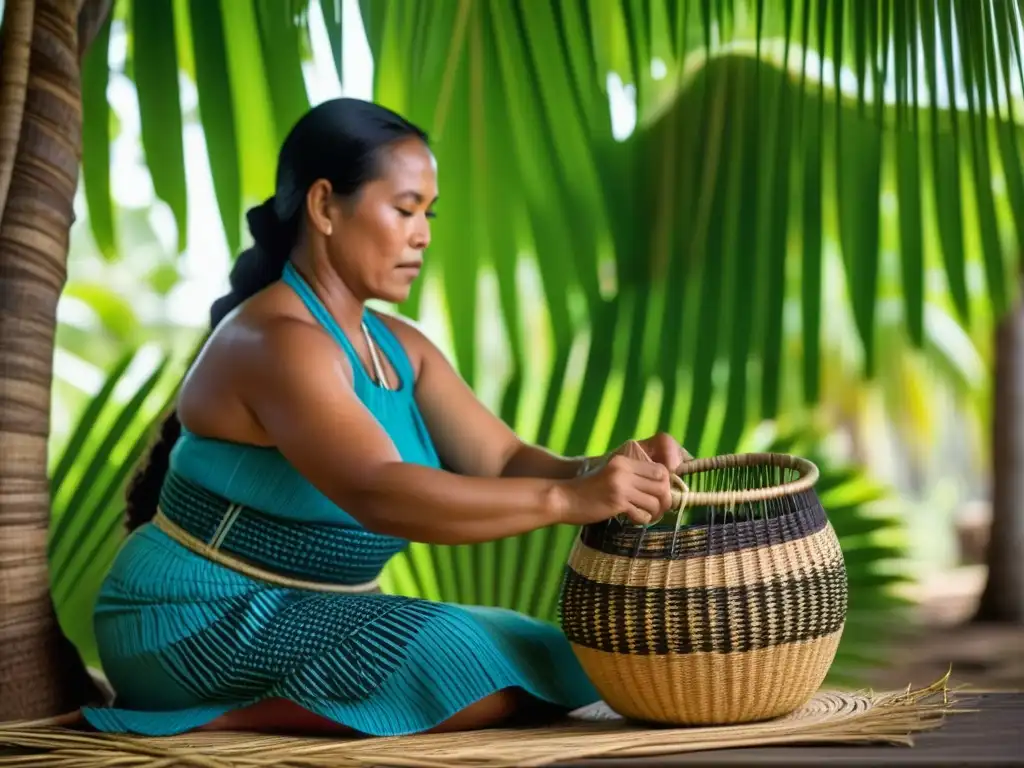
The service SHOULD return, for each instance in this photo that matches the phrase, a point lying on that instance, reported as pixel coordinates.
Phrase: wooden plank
(989, 735)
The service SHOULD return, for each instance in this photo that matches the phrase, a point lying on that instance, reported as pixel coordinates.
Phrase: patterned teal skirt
(184, 640)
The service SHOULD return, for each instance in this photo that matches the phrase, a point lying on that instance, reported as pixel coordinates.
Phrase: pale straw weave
(733, 616)
(829, 717)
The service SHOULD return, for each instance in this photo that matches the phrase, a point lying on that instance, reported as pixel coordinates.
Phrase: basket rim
(682, 496)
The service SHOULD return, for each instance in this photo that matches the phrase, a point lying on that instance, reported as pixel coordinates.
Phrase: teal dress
(184, 640)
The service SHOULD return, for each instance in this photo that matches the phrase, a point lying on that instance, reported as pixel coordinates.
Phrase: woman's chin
(395, 294)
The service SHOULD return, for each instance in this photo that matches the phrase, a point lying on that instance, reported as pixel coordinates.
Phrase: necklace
(378, 367)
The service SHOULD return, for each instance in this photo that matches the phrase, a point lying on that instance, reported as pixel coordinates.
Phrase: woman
(308, 445)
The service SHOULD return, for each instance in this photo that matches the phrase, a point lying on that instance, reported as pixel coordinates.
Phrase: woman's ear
(318, 205)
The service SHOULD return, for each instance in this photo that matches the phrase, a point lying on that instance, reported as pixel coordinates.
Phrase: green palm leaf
(331, 10)
(281, 40)
(87, 481)
(682, 259)
(728, 253)
(155, 68)
(216, 109)
(96, 138)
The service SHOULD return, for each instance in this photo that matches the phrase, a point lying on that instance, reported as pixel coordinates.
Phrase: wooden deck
(992, 735)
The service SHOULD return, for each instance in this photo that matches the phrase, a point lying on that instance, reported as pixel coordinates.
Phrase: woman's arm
(533, 461)
(470, 438)
(296, 383)
(473, 441)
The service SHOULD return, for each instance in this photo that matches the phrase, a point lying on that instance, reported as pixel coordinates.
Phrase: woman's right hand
(641, 489)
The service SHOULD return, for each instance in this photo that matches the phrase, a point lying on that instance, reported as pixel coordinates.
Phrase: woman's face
(377, 241)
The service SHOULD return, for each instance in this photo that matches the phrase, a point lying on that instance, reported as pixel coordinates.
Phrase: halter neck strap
(292, 277)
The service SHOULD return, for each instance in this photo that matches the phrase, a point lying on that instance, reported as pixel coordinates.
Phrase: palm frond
(683, 181)
(87, 481)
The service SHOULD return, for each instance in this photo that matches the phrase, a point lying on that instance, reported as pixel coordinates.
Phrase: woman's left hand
(664, 449)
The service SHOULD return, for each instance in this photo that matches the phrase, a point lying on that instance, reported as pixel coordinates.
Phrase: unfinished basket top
(682, 496)
(787, 510)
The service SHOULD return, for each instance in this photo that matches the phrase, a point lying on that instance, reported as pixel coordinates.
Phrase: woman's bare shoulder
(232, 368)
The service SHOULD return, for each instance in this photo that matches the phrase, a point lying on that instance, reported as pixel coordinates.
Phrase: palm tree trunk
(1003, 597)
(40, 146)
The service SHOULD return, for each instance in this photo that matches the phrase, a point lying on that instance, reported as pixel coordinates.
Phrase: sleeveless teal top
(184, 640)
(261, 478)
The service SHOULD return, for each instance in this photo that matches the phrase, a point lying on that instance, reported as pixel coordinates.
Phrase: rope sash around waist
(289, 553)
(211, 552)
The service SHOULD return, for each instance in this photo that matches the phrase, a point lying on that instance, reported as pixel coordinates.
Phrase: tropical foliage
(655, 215)
(87, 525)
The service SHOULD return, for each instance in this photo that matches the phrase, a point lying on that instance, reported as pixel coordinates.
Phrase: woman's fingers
(638, 515)
(645, 487)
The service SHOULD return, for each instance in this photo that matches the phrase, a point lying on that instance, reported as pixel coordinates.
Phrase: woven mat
(830, 717)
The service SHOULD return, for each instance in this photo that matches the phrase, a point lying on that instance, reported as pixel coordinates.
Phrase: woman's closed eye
(409, 214)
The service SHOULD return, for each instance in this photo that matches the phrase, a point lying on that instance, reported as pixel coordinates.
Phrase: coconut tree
(678, 256)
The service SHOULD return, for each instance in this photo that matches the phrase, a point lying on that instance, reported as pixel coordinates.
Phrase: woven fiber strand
(829, 717)
(732, 619)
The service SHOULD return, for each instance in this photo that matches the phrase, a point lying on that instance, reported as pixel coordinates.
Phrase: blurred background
(756, 225)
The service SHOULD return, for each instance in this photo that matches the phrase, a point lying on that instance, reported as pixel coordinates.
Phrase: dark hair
(342, 141)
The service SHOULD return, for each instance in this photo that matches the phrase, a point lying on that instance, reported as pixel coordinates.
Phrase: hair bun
(272, 235)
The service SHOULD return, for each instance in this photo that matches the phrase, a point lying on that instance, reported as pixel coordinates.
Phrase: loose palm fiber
(830, 717)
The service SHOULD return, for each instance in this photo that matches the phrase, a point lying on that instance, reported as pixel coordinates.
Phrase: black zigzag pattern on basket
(317, 551)
(785, 609)
(794, 518)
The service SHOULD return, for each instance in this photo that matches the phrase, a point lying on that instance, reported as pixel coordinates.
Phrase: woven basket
(728, 611)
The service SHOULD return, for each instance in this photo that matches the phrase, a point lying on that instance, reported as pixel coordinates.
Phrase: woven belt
(312, 556)
(211, 551)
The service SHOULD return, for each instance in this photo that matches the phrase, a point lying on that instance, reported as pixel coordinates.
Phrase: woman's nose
(421, 237)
